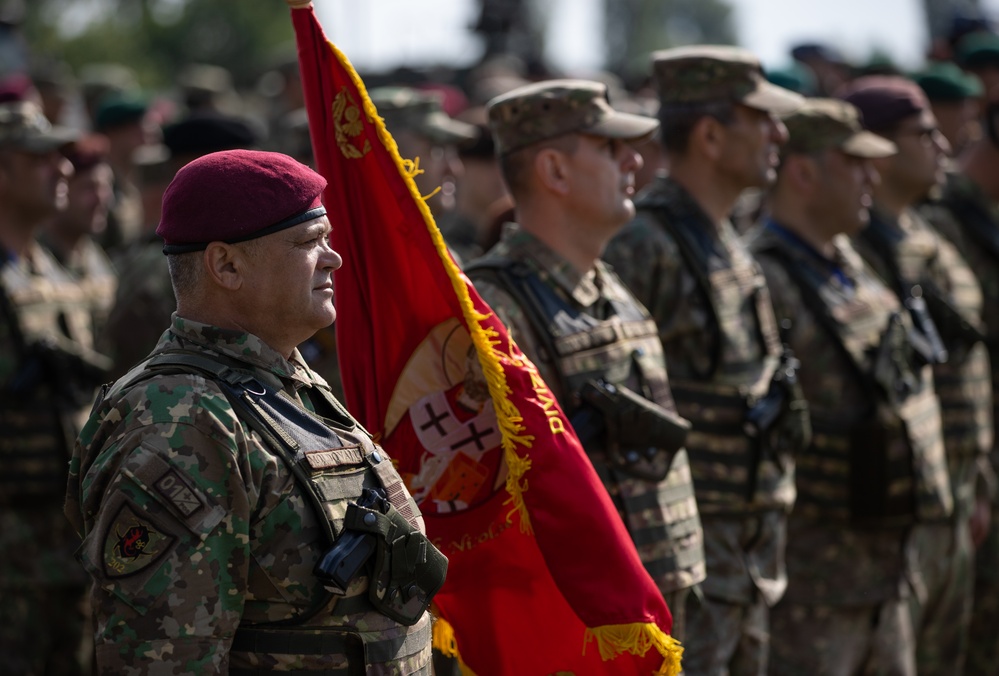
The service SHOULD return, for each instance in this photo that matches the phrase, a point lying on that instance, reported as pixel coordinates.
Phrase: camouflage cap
(404, 108)
(823, 124)
(544, 110)
(717, 73)
(24, 127)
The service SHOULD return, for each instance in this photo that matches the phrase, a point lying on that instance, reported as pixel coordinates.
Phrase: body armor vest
(963, 382)
(622, 349)
(39, 420)
(887, 468)
(333, 461)
(733, 472)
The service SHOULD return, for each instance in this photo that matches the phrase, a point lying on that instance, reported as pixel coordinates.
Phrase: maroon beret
(237, 195)
(884, 100)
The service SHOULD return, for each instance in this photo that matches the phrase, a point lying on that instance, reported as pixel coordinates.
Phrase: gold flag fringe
(616, 639)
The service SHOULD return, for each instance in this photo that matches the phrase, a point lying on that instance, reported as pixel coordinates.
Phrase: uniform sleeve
(168, 549)
(517, 323)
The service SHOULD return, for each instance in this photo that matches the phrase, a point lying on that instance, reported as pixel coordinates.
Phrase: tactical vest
(963, 382)
(333, 461)
(39, 425)
(890, 467)
(733, 472)
(622, 350)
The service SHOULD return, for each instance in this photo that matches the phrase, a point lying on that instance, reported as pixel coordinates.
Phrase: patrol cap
(422, 112)
(946, 82)
(24, 127)
(822, 124)
(544, 110)
(717, 73)
(237, 195)
(208, 132)
(884, 100)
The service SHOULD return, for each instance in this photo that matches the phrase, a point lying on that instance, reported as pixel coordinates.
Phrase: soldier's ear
(224, 265)
(707, 137)
(551, 171)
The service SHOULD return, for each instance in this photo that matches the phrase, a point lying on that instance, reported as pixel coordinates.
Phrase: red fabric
(519, 602)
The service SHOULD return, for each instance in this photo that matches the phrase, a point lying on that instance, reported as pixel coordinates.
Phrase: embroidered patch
(173, 488)
(132, 543)
(334, 457)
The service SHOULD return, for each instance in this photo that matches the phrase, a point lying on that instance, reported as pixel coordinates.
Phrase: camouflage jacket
(44, 398)
(970, 221)
(829, 561)
(743, 554)
(661, 516)
(194, 527)
(142, 305)
(92, 270)
(909, 251)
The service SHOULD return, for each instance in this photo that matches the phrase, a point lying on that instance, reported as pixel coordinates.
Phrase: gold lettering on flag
(347, 125)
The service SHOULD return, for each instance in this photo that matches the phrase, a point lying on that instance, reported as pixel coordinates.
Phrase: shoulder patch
(133, 543)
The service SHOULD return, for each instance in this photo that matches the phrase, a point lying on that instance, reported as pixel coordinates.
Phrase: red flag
(540, 563)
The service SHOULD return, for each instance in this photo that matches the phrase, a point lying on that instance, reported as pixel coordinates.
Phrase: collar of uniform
(583, 288)
(243, 346)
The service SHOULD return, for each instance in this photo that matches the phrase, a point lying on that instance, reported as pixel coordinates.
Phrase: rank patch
(174, 488)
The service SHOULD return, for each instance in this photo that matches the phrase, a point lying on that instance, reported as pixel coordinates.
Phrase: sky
(381, 34)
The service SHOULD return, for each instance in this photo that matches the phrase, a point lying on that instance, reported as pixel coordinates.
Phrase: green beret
(977, 50)
(118, 109)
(795, 77)
(947, 82)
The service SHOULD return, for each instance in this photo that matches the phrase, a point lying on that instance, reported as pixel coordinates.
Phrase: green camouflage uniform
(200, 540)
(846, 606)
(968, 219)
(905, 253)
(48, 374)
(661, 516)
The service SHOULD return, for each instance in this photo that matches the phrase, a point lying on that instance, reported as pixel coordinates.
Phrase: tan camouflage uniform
(195, 530)
(967, 218)
(945, 557)
(579, 328)
(846, 607)
(722, 348)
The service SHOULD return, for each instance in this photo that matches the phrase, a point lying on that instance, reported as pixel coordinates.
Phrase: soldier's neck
(16, 235)
(808, 228)
(563, 235)
(716, 196)
(978, 163)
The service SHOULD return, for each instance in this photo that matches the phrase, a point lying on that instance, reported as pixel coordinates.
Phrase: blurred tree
(635, 28)
(156, 37)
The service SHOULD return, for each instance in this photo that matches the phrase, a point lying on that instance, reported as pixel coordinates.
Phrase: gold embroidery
(347, 124)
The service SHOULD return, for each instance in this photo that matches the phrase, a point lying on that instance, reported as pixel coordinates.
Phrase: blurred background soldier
(956, 101)
(71, 235)
(423, 130)
(569, 164)
(48, 375)
(875, 417)
(967, 214)
(683, 260)
(945, 303)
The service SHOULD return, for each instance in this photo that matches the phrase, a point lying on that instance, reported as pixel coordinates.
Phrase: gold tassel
(444, 641)
(616, 639)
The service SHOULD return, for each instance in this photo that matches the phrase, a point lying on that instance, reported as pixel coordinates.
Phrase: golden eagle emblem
(347, 125)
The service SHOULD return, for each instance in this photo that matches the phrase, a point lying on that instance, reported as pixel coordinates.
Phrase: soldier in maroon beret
(215, 482)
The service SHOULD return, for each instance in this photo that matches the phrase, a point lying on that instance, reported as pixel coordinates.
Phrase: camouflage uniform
(846, 607)
(969, 220)
(45, 393)
(589, 337)
(167, 481)
(906, 253)
(93, 272)
(143, 304)
(661, 516)
(721, 343)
